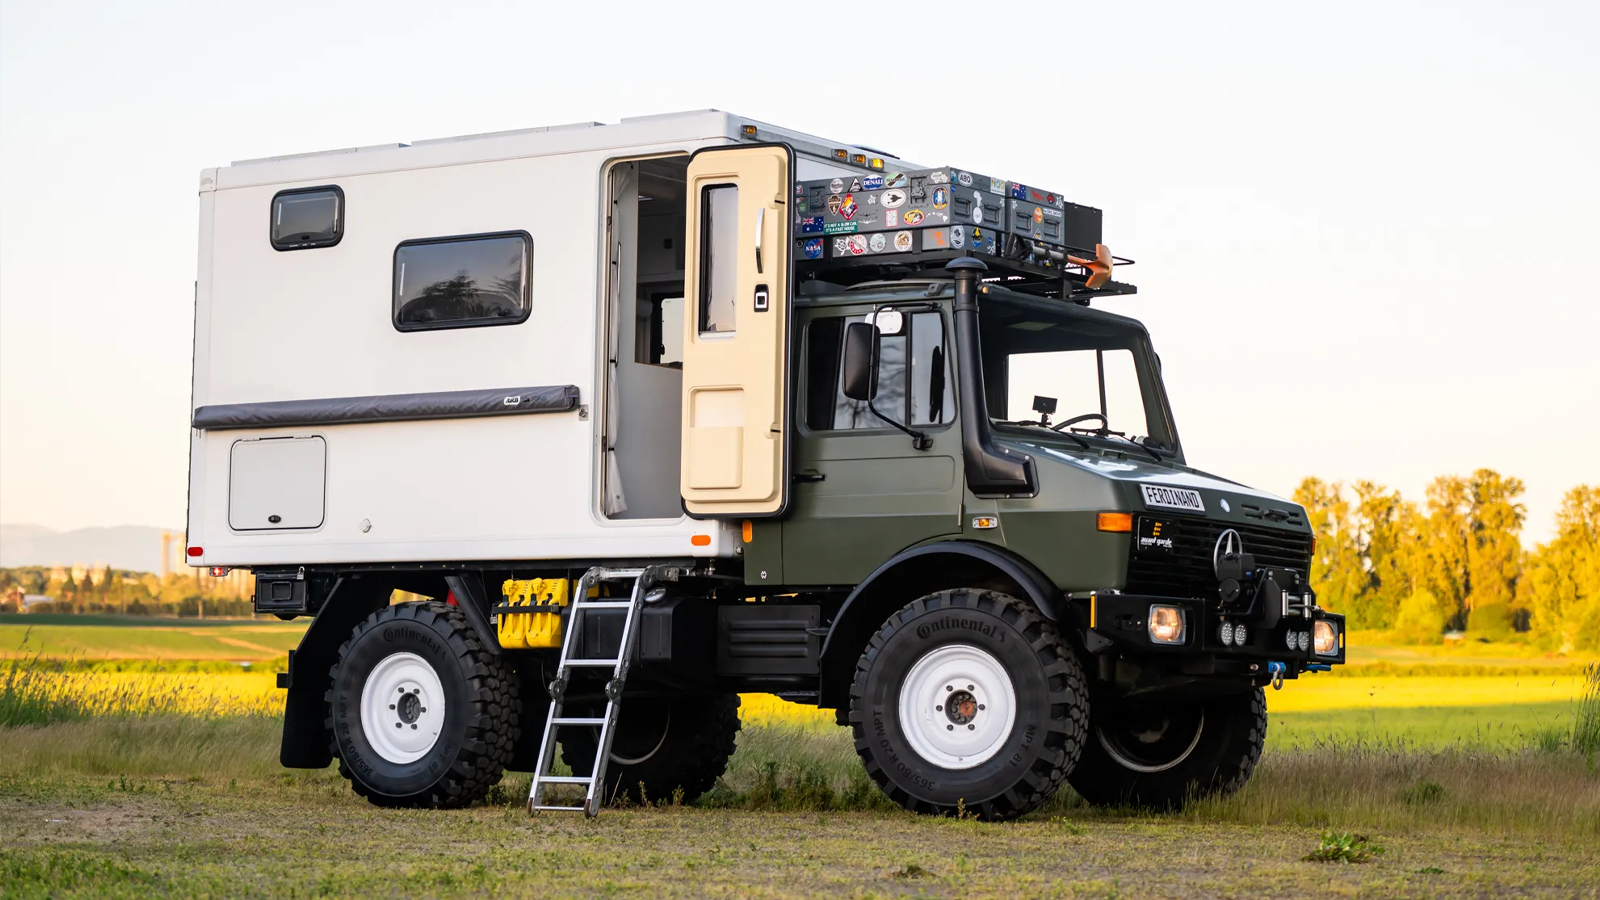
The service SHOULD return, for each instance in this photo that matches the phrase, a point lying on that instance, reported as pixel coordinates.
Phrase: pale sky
(1366, 233)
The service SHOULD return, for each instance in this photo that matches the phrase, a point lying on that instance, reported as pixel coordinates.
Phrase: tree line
(121, 591)
(1456, 560)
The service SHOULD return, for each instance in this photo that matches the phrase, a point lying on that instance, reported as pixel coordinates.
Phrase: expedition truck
(565, 437)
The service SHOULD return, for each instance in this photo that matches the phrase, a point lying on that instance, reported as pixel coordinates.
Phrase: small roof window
(307, 218)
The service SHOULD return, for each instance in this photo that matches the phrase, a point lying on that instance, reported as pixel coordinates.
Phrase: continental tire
(1158, 757)
(968, 700)
(421, 714)
(662, 745)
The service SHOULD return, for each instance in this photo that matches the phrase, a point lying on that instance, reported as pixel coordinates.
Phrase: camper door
(736, 335)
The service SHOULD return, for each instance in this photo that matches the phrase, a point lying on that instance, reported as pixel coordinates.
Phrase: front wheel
(1158, 756)
(967, 700)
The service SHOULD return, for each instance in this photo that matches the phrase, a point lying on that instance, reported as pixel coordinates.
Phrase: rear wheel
(968, 700)
(662, 745)
(1158, 756)
(421, 713)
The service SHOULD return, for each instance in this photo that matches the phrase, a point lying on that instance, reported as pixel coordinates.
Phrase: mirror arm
(919, 439)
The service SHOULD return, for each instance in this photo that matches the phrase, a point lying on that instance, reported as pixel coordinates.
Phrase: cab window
(914, 383)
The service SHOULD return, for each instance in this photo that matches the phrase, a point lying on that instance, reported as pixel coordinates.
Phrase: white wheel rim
(402, 708)
(940, 731)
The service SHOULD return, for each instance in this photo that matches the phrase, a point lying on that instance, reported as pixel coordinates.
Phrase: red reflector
(197, 551)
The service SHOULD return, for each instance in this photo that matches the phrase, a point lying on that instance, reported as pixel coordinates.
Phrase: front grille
(1186, 570)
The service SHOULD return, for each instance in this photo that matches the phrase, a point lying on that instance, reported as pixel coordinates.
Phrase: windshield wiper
(1153, 454)
(1082, 444)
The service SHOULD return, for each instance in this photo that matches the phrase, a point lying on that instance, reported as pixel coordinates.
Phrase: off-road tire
(1222, 759)
(481, 710)
(1051, 710)
(648, 764)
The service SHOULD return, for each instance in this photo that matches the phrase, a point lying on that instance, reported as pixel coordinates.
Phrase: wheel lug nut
(949, 728)
(981, 706)
(948, 688)
(971, 688)
(391, 706)
(414, 727)
(397, 724)
(969, 727)
(935, 709)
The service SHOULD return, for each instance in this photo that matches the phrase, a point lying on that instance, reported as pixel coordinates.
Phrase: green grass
(1497, 726)
(97, 638)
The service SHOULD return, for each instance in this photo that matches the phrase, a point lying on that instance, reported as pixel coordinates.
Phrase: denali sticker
(1172, 498)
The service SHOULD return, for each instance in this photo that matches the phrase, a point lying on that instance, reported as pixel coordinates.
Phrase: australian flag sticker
(811, 225)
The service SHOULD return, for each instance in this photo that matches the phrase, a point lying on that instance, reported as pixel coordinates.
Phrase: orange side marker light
(1122, 522)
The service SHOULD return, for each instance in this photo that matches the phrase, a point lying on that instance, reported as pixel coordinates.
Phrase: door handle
(809, 476)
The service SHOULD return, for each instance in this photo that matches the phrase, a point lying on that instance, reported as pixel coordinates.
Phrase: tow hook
(1318, 667)
(1276, 670)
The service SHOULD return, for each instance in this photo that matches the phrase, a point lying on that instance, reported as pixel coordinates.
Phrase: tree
(1336, 569)
(1421, 618)
(1560, 585)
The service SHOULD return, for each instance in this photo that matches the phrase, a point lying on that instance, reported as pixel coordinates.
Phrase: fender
(305, 710)
(1033, 582)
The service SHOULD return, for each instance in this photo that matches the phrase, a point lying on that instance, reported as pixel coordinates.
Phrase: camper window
(460, 282)
(307, 218)
(918, 395)
(719, 265)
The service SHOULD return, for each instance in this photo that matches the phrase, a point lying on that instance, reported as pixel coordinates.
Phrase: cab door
(736, 333)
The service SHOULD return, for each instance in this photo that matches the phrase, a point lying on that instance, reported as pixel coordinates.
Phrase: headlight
(1240, 635)
(1326, 638)
(1166, 624)
(1226, 633)
(1303, 639)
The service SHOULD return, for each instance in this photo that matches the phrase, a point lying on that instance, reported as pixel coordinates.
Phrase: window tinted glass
(719, 267)
(919, 393)
(309, 218)
(453, 282)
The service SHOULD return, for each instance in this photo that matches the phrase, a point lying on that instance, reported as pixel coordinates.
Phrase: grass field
(156, 773)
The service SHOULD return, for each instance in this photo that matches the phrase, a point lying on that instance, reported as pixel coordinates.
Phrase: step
(603, 604)
(565, 779)
(581, 809)
(592, 663)
(579, 721)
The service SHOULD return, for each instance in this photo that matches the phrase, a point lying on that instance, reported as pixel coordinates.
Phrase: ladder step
(560, 809)
(579, 721)
(564, 779)
(603, 604)
(592, 663)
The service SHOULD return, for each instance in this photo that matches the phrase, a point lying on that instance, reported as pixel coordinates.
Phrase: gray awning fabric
(388, 408)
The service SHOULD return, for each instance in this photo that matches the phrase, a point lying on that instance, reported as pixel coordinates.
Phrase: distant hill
(136, 547)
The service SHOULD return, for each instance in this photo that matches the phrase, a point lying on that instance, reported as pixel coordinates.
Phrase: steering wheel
(1076, 419)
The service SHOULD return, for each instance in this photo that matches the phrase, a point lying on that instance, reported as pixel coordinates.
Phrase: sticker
(872, 182)
(891, 218)
(857, 244)
(902, 241)
(878, 242)
(977, 213)
(799, 190)
(941, 198)
(897, 179)
(848, 208)
(965, 178)
(996, 186)
(872, 199)
(855, 184)
(1038, 215)
(894, 198)
(912, 217)
(811, 225)
(958, 236)
(836, 186)
(841, 246)
(840, 228)
(813, 248)
(800, 206)
(833, 205)
(939, 176)
(939, 238)
(1019, 191)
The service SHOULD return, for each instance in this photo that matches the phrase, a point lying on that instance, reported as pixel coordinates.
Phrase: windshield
(1048, 362)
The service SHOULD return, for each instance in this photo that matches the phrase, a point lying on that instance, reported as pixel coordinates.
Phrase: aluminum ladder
(594, 782)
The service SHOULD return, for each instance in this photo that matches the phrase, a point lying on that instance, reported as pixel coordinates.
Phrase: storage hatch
(277, 483)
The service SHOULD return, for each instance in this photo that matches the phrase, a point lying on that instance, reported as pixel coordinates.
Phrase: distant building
(29, 601)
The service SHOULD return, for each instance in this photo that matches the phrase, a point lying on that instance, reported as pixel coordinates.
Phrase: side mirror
(861, 343)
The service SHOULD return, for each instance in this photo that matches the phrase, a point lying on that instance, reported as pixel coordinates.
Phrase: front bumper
(1122, 620)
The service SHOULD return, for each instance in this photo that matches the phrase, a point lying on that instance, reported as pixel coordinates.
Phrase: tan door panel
(736, 331)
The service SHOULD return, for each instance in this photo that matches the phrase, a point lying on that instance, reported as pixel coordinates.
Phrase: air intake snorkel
(991, 470)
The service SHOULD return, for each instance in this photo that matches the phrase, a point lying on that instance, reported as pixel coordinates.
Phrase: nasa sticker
(902, 241)
(891, 218)
(813, 248)
(912, 217)
(894, 198)
(965, 178)
(857, 244)
(878, 242)
(836, 186)
(958, 236)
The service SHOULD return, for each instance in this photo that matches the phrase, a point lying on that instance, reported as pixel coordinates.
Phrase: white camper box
(374, 449)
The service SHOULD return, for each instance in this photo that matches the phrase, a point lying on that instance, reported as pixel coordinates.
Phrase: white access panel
(276, 483)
